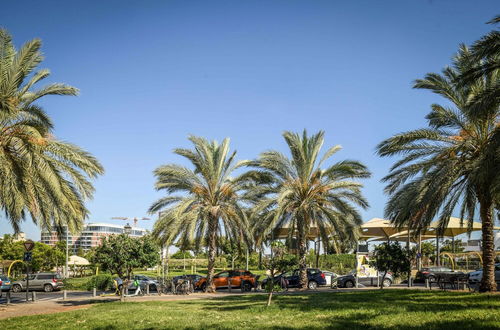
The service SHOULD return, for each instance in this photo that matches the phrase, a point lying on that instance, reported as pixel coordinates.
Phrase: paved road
(44, 296)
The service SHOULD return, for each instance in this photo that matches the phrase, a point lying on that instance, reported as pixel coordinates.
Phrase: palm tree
(40, 176)
(485, 52)
(207, 205)
(453, 165)
(297, 192)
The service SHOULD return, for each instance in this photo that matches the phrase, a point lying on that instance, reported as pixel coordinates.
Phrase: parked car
(329, 277)
(349, 281)
(315, 278)
(476, 276)
(47, 282)
(432, 273)
(239, 279)
(5, 284)
(144, 281)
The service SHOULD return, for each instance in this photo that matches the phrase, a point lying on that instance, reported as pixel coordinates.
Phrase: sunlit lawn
(340, 310)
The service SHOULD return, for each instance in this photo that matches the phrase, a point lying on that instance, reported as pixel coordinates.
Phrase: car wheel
(387, 283)
(247, 287)
(432, 278)
(16, 288)
(203, 287)
(153, 288)
(349, 284)
(312, 285)
(48, 288)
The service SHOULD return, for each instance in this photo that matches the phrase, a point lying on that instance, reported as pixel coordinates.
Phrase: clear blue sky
(153, 72)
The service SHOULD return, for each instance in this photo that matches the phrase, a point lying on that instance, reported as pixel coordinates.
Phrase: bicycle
(183, 286)
(166, 286)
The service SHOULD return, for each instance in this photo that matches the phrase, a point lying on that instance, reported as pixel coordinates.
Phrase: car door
(293, 280)
(39, 281)
(235, 277)
(220, 280)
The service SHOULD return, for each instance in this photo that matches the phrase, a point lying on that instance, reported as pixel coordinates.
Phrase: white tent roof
(79, 261)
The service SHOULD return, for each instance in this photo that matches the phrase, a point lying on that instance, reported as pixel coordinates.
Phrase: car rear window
(45, 277)
(313, 271)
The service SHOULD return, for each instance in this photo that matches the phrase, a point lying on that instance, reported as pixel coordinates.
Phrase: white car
(477, 276)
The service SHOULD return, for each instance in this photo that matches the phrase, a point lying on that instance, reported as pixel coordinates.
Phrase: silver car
(47, 282)
(476, 276)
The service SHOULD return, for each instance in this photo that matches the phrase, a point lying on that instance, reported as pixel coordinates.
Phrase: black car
(433, 273)
(349, 281)
(315, 278)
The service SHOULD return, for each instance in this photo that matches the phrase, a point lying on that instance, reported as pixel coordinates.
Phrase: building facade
(90, 237)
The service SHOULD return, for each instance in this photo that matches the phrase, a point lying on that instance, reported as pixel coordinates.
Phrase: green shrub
(337, 263)
(76, 283)
(102, 282)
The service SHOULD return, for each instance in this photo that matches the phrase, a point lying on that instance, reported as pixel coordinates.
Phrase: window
(223, 274)
(45, 277)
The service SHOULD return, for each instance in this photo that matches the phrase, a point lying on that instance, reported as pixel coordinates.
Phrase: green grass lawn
(343, 310)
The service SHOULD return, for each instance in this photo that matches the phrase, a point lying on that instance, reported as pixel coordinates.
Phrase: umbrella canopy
(78, 261)
(403, 237)
(454, 228)
(378, 228)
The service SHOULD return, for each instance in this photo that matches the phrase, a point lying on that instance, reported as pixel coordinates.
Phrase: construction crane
(135, 219)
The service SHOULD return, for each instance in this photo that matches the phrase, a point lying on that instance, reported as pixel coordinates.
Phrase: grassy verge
(343, 310)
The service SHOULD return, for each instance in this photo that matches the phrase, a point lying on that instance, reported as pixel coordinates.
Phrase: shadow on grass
(384, 302)
(68, 303)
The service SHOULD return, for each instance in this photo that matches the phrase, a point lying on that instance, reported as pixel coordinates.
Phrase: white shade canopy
(78, 261)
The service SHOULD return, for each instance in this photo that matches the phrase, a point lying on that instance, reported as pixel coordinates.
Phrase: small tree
(278, 263)
(390, 257)
(120, 254)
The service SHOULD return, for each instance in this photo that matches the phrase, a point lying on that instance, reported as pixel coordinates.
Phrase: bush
(102, 282)
(182, 255)
(76, 283)
(337, 263)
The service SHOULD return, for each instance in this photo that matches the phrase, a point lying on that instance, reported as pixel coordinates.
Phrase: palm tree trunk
(302, 246)
(212, 249)
(488, 281)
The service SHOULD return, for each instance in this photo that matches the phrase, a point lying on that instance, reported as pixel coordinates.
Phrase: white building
(90, 236)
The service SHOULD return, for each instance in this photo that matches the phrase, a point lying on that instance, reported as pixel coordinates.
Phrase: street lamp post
(66, 275)
(28, 246)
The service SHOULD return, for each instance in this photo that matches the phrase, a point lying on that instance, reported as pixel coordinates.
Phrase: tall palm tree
(201, 203)
(453, 165)
(298, 192)
(486, 53)
(40, 176)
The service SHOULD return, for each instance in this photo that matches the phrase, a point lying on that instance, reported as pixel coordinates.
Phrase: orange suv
(238, 279)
